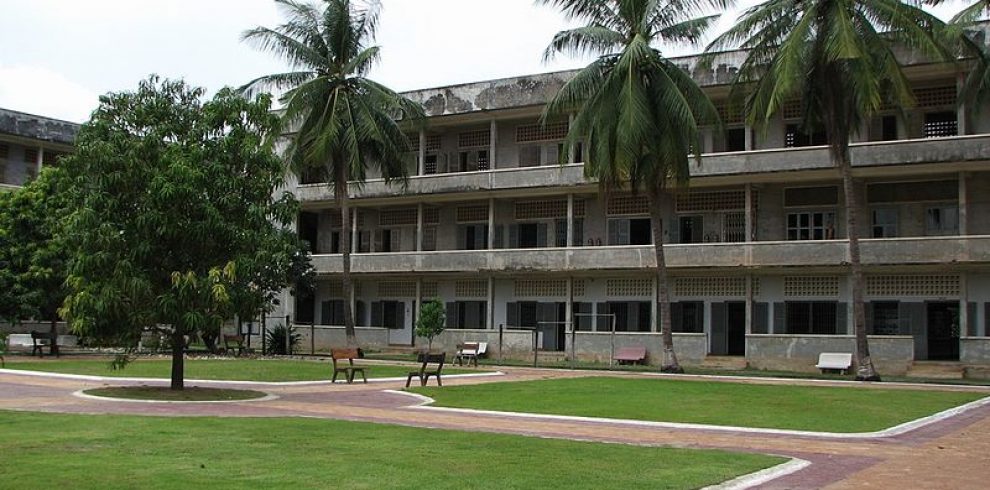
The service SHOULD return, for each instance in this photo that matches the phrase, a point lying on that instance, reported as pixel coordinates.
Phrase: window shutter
(578, 232)
(761, 313)
(868, 311)
(400, 316)
(513, 236)
(720, 338)
(481, 237)
(512, 314)
(359, 318)
(461, 237)
(675, 231)
(842, 318)
(378, 240)
(623, 238)
(325, 312)
(602, 323)
(451, 320)
(676, 316)
(971, 329)
(613, 232)
(376, 314)
(553, 155)
(499, 231)
(541, 234)
(779, 315)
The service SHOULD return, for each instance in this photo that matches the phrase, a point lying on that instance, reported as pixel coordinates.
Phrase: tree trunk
(178, 360)
(669, 363)
(53, 348)
(839, 131)
(340, 191)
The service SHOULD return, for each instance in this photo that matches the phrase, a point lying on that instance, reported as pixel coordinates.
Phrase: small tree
(431, 322)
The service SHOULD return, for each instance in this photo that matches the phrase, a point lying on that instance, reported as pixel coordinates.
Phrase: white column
(569, 307)
(419, 227)
(492, 144)
(491, 223)
(354, 230)
(749, 313)
(963, 205)
(749, 212)
(654, 311)
(490, 320)
(421, 167)
(419, 301)
(749, 137)
(571, 149)
(570, 220)
(40, 162)
(963, 306)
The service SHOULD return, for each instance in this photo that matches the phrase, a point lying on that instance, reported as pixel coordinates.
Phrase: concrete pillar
(490, 320)
(569, 307)
(749, 311)
(571, 149)
(750, 219)
(749, 138)
(654, 309)
(963, 205)
(491, 223)
(354, 230)
(961, 128)
(421, 168)
(570, 221)
(41, 159)
(419, 227)
(418, 304)
(492, 144)
(964, 306)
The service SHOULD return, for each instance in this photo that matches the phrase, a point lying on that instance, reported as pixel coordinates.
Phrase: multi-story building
(28, 142)
(495, 227)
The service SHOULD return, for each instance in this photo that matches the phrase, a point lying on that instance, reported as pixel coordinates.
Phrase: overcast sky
(57, 56)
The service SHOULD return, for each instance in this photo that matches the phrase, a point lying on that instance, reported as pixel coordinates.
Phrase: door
(943, 331)
(397, 316)
(736, 328)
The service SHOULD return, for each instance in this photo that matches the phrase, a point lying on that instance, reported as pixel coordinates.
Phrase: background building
(28, 142)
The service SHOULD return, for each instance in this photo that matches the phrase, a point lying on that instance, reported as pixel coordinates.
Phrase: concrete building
(493, 226)
(28, 142)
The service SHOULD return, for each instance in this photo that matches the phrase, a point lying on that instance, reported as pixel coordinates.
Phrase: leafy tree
(431, 322)
(636, 112)
(345, 124)
(33, 257)
(837, 57)
(175, 209)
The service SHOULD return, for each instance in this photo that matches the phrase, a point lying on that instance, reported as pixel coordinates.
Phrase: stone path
(953, 453)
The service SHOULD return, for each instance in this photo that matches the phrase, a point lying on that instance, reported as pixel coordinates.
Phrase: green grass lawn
(827, 409)
(91, 451)
(215, 369)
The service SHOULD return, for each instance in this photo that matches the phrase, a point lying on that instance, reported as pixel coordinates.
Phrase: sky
(58, 56)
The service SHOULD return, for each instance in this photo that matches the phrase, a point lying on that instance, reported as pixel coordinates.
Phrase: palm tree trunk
(669, 363)
(178, 360)
(864, 363)
(340, 191)
(53, 347)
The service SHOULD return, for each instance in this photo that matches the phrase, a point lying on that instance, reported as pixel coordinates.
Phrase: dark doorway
(736, 328)
(639, 232)
(309, 224)
(943, 331)
(529, 235)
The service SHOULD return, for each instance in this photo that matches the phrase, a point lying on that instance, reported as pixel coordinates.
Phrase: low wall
(516, 344)
(892, 354)
(596, 346)
(974, 350)
(326, 337)
(27, 327)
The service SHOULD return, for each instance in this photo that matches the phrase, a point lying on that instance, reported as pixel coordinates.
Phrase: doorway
(736, 328)
(943, 331)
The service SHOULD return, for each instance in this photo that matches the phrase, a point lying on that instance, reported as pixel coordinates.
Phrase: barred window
(525, 288)
(554, 131)
(474, 139)
(931, 285)
(811, 286)
(629, 287)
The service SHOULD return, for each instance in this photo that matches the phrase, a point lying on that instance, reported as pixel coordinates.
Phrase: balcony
(876, 154)
(887, 251)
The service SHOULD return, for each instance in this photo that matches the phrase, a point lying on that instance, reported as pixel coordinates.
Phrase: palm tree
(636, 113)
(837, 57)
(346, 124)
(976, 86)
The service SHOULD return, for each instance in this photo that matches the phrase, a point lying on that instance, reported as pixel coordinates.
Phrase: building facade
(28, 142)
(494, 226)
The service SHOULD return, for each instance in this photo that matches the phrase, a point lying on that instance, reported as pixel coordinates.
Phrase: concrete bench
(470, 352)
(632, 355)
(834, 361)
(35, 342)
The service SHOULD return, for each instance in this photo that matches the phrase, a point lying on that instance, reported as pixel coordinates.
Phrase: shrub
(275, 338)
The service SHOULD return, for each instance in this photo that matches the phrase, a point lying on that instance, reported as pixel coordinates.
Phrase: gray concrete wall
(334, 337)
(974, 350)
(27, 327)
(596, 346)
(891, 354)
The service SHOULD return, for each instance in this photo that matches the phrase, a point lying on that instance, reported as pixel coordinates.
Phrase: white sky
(57, 56)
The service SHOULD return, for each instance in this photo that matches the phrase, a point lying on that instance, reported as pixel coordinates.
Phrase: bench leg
(424, 379)
(439, 383)
(334, 379)
(409, 379)
(364, 376)
(350, 376)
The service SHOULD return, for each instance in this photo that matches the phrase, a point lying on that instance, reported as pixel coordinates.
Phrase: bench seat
(834, 361)
(633, 355)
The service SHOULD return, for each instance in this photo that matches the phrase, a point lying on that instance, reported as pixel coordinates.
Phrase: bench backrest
(636, 352)
(837, 359)
(428, 359)
(468, 348)
(482, 348)
(233, 339)
(40, 337)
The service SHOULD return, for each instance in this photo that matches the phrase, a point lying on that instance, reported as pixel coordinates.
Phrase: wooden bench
(468, 351)
(834, 361)
(425, 372)
(339, 355)
(632, 355)
(233, 343)
(40, 340)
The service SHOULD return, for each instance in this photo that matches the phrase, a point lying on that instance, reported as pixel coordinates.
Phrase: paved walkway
(953, 453)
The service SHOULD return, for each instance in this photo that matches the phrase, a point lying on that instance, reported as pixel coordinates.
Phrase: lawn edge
(426, 403)
(81, 394)
(110, 379)
(761, 477)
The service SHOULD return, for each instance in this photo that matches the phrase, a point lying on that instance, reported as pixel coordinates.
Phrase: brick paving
(953, 453)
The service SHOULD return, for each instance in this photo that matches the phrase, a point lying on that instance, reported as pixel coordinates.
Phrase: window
(888, 128)
(811, 226)
(629, 231)
(940, 124)
(529, 156)
(811, 317)
(529, 235)
(735, 139)
(473, 160)
(935, 190)
(468, 314)
(472, 237)
(811, 196)
(942, 220)
(630, 316)
(687, 317)
(430, 163)
(332, 312)
(795, 137)
(884, 223)
(691, 229)
(885, 318)
(561, 232)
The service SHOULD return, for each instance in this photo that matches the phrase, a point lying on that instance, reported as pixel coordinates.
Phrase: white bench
(25, 341)
(470, 351)
(834, 361)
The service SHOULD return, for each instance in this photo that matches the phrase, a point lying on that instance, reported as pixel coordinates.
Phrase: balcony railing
(903, 152)
(886, 251)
